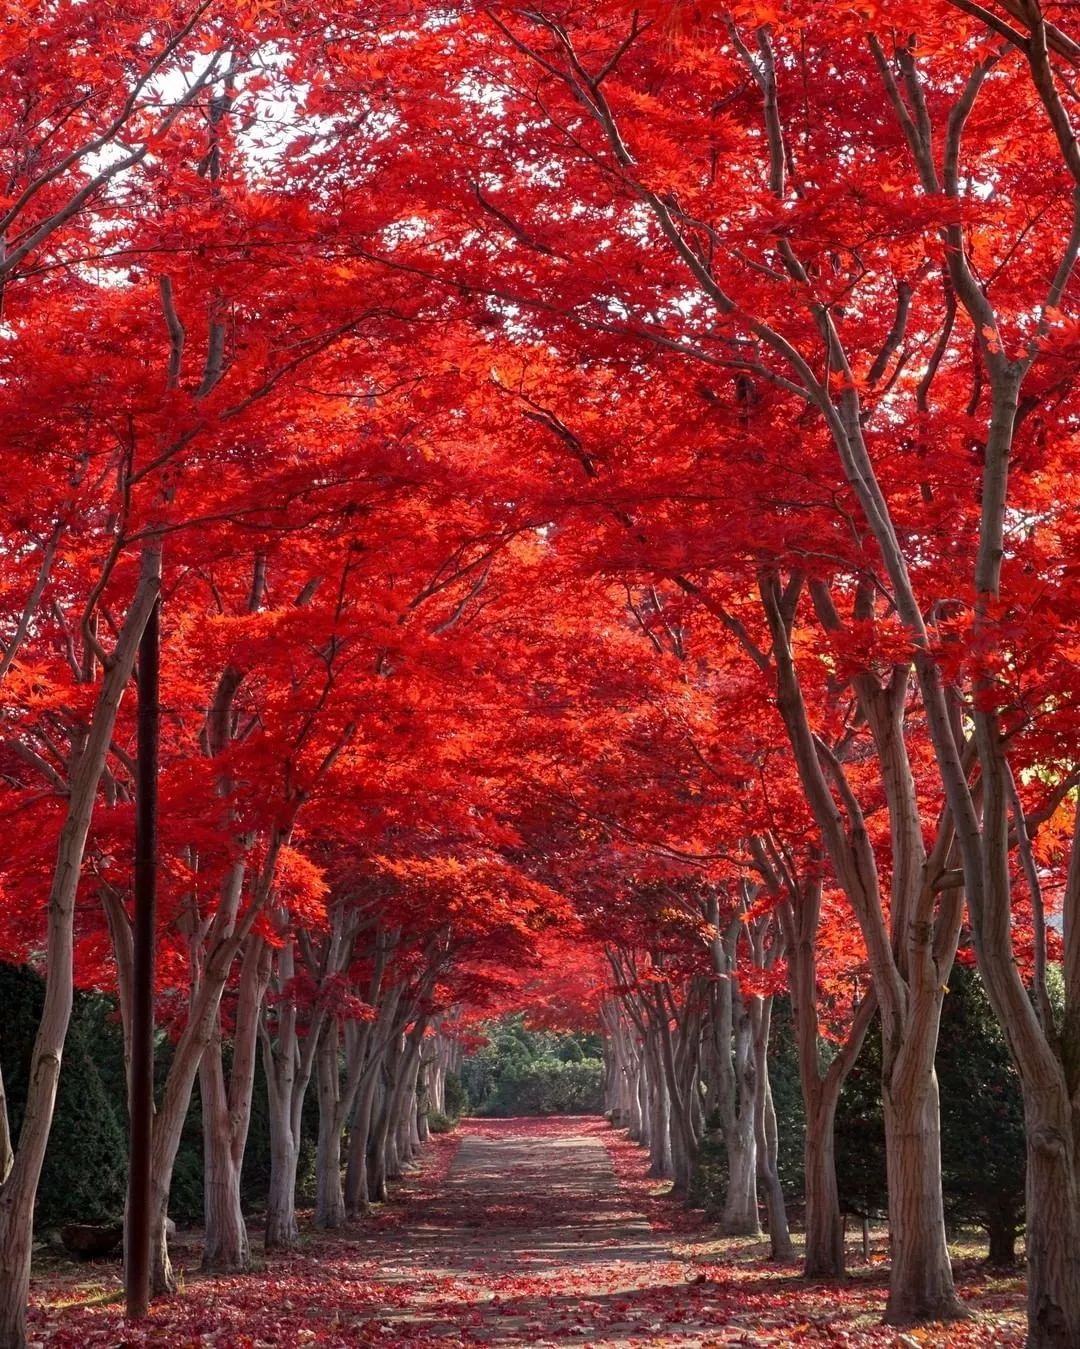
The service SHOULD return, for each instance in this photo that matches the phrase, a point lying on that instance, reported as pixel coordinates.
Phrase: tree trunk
(768, 1169)
(1002, 1233)
(824, 1257)
(920, 1281)
(329, 1197)
(19, 1190)
(226, 1249)
(660, 1117)
(377, 1175)
(740, 1213)
(281, 1227)
(357, 1196)
(643, 1096)
(226, 1113)
(1053, 1225)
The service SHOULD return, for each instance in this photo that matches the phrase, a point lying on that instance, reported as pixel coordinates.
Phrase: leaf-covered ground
(519, 1232)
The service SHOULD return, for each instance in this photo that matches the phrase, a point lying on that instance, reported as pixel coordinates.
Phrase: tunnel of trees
(598, 484)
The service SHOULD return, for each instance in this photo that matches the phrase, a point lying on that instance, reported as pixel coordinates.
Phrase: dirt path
(515, 1233)
(531, 1242)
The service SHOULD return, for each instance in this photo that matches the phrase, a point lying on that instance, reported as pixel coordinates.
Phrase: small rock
(88, 1241)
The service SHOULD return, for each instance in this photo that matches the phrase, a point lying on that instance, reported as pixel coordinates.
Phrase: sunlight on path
(515, 1233)
(533, 1235)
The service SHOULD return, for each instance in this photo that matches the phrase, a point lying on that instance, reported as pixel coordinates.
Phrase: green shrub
(983, 1155)
(547, 1087)
(708, 1182)
(527, 1072)
(455, 1097)
(439, 1123)
(84, 1178)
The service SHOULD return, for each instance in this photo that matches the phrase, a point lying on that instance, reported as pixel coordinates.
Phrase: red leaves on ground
(516, 1233)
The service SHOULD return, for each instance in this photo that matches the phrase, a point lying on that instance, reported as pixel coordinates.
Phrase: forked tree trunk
(824, 1249)
(679, 1091)
(226, 1111)
(176, 1098)
(227, 932)
(910, 950)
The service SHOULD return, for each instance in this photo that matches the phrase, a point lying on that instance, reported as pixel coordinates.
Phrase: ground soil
(517, 1232)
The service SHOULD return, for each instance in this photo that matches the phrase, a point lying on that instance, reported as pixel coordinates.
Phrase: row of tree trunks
(679, 1053)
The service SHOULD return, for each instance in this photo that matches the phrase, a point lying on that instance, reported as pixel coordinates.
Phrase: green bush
(84, 1178)
(548, 1087)
(439, 1123)
(524, 1072)
(455, 1097)
(983, 1155)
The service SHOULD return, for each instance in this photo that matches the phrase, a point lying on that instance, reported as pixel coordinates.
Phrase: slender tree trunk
(19, 1189)
(7, 1152)
(329, 1197)
(765, 1134)
(631, 1088)
(379, 1140)
(138, 1217)
(226, 1249)
(660, 1117)
(357, 1196)
(287, 1074)
(740, 1213)
(644, 1102)
(281, 1227)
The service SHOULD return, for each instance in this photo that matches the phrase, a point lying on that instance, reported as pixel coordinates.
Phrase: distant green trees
(525, 1072)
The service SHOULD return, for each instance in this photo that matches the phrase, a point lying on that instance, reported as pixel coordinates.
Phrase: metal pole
(141, 1081)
